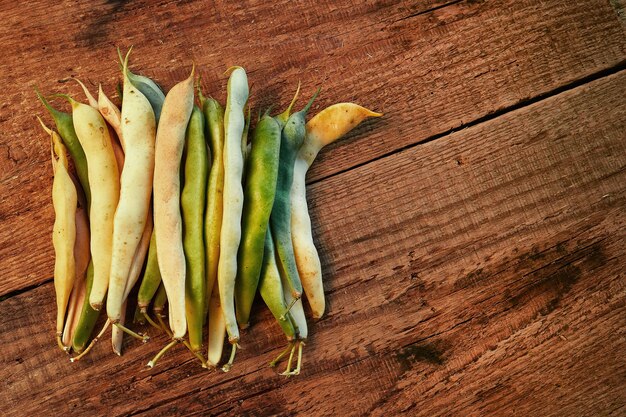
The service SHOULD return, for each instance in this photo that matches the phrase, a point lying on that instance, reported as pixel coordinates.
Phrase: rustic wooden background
(473, 240)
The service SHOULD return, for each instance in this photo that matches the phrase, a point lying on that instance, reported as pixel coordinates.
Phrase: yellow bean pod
(326, 127)
(65, 201)
(139, 132)
(94, 137)
(170, 141)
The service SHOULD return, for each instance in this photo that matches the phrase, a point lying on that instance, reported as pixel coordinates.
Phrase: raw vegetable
(138, 130)
(214, 129)
(280, 220)
(230, 235)
(170, 140)
(88, 317)
(193, 200)
(260, 189)
(93, 135)
(326, 127)
(64, 200)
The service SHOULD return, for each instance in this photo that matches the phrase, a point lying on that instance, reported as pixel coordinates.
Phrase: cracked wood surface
(477, 273)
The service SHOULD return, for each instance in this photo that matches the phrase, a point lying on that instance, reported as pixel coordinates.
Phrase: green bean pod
(151, 277)
(280, 220)
(259, 192)
(214, 131)
(88, 317)
(271, 288)
(65, 126)
(193, 200)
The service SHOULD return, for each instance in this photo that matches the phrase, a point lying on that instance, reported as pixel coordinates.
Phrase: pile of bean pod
(181, 198)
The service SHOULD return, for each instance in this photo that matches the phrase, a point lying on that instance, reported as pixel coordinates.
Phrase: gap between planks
(488, 117)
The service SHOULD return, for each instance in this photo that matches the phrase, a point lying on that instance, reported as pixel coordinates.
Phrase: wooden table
(473, 240)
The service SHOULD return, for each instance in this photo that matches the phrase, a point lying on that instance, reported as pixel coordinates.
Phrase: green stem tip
(310, 103)
(143, 337)
(161, 353)
(229, 364)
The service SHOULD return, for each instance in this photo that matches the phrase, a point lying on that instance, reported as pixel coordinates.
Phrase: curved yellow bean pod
(94, 137)
(65, 201)
(170, 140)
(326, 127)
(139, 131)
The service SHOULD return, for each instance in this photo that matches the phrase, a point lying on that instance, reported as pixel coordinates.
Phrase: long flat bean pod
(324, 128)
(230, 235)
(152, 275)
(93, 135)
(64, 200)
(65, 126)
(280, 220)
(112, 115)
(214, 116)
(138, 129)
(193, 201)
(259, 192)
(170, 140)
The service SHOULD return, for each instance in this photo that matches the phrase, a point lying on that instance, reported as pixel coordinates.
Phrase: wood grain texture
(477, 274)
(431, 66)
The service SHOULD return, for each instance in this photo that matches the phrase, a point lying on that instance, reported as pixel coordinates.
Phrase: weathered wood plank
(430, 68)
(477, 273)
